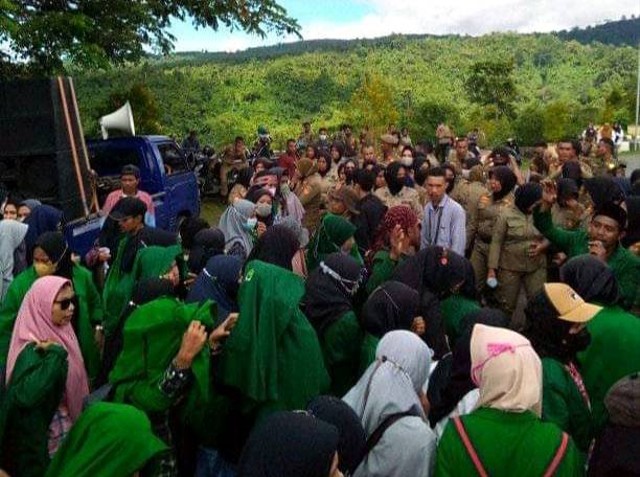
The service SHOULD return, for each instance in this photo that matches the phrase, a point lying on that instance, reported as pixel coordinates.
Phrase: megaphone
(121, 119)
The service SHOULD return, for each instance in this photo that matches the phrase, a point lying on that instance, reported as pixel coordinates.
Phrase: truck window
(110, 161)
(172, 158)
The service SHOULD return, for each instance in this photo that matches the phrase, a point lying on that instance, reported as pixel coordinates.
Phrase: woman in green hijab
(164, 361)
(109, 440)
(273, 360)
(150, 262)
(335, 234)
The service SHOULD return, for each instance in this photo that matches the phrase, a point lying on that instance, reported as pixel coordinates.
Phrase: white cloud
(470, 17)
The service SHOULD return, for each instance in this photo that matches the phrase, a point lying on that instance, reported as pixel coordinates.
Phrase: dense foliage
(42, 36)
(625, 31)
(547, 88)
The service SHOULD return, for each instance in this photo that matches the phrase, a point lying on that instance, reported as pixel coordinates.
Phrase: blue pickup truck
(164, 174)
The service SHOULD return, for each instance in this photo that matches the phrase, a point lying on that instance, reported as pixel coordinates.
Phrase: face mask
(251, 223)
(272, 191)
(285, 190)
(263, 210)
(466, 173)
(323, 137)
(406, 161)
(492, 282)
(44, 269)
(579, 341)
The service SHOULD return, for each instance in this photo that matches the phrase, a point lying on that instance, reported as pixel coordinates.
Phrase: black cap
(613, 211)
(128, 207)
(130, 170)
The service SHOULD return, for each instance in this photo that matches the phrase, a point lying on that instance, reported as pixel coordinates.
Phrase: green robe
(151, 339)
(341, 343)
(368, 351)
(625, 265)
(32, 398)
(614, 353)
(454, 309)
(381, 270)
(108, 440)
(329, 237)
(150, 262)
(90, 314)
(273, 358)
(563, 404)
(508, 444)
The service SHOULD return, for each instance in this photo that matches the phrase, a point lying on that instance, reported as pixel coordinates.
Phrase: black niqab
(507, 179)
(527, 195)
(394, 184)
(206, 244)
(56, 248)
(325, 299)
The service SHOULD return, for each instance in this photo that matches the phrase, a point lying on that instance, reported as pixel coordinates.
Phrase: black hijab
(353, 437)
(592, 279)
(567, 189)
(549, 335)
(145, 237)
(43, 218)
(452, 382)
(289, 444)
(527, 195)
(276, 246)
(189, 228)
(325, 299)
(572, 170)
(394, 184)
(391, 306)
(56, 248)
(218, 281)
(206, 244)
(603, 189)
(507, 179)
(633, 225)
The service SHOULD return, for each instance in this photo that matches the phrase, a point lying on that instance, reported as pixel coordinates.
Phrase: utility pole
(637, 132)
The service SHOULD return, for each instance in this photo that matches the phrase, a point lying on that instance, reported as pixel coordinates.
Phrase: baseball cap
(128, 207)
(389, 139)
(569, 305)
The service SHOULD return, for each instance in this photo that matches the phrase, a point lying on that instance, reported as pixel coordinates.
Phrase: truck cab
(164, 174)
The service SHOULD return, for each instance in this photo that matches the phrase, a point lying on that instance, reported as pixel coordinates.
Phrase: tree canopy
(42, 36)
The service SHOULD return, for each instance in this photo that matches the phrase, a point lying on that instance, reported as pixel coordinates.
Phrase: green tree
(146, 115)
(490, 83)
(51, 34)
(372, 104)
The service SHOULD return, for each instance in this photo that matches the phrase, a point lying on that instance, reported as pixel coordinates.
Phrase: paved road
(633, 162)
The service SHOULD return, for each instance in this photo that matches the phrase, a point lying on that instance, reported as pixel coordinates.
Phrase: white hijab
(392, 382)
(12, 234)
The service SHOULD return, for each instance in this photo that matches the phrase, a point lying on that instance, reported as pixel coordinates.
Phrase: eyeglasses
(66, 303)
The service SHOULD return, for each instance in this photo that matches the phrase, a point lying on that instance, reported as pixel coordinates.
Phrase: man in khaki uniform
(388, 144)
(468, 192)
(516, 253)
(490, 206)
(460, 154)
(235, 156)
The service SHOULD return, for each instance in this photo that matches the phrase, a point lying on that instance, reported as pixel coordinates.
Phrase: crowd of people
(418, 310)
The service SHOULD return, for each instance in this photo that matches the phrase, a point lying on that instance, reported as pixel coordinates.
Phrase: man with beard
(444, 219)
(556, 327)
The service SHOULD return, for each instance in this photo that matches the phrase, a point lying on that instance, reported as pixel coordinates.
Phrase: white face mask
(251, 223)
(323, 137)
(465, 173)
(263, 210)
(406, 161)
(272, 191)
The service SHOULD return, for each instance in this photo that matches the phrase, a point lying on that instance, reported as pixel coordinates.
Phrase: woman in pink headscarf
(504, 435)
(46, 378)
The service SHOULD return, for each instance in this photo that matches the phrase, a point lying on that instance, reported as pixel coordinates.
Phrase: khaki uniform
(568, 218)
(230, 160)
(513, 237)
(309, 191)
(456, 162)
(407, 196)
(483, 221)
(467, 194)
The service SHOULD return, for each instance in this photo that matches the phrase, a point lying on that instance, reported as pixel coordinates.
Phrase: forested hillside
(528, 86)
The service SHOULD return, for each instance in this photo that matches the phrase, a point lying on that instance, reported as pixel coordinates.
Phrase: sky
(349, 19)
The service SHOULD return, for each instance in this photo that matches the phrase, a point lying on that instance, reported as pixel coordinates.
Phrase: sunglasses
(66, 303)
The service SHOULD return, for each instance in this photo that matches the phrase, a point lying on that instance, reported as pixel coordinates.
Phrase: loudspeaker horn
(121, 119)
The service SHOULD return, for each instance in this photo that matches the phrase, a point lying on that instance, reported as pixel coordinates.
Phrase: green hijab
(108, 440)
(150, 262)
(273, 357)
(151, 339)
(331, 234)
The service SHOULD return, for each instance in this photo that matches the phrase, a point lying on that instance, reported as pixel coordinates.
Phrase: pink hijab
(34, 323)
